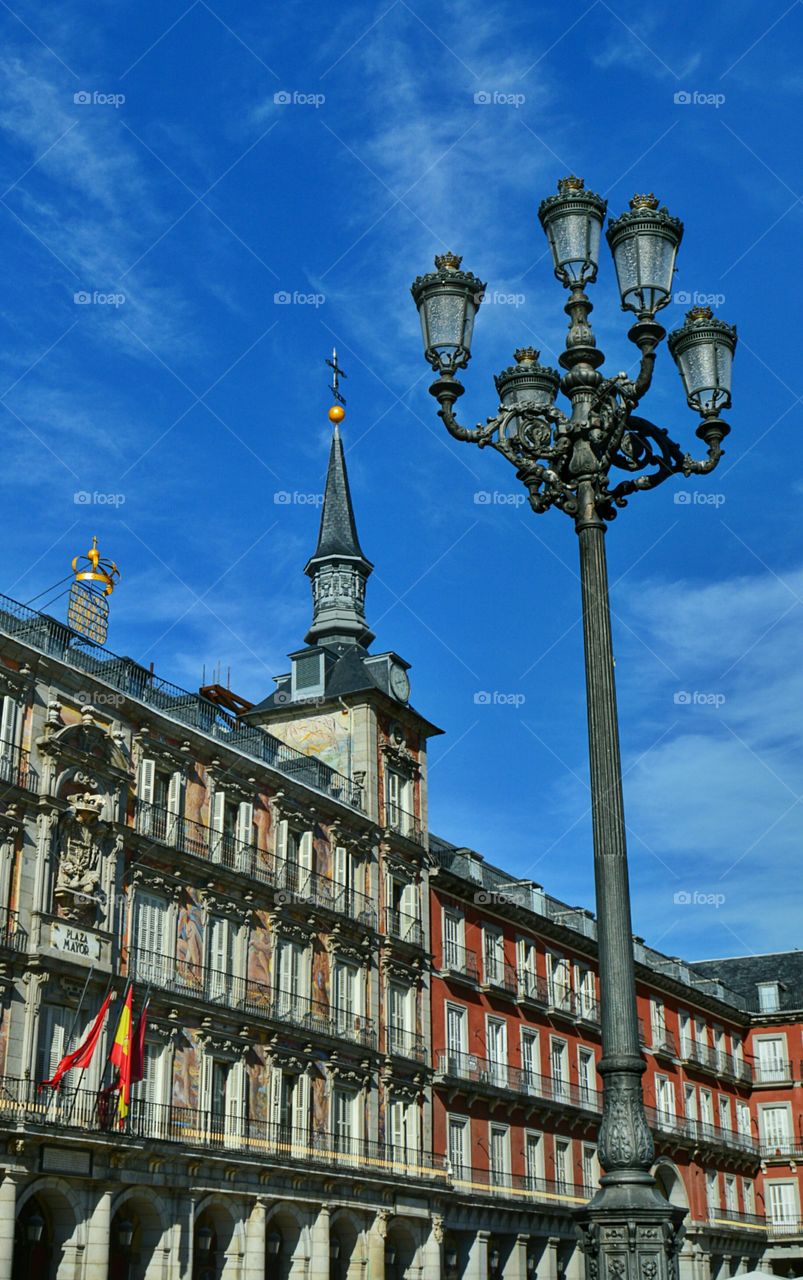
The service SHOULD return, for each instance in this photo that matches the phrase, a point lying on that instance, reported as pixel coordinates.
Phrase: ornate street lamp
(125, 1234)
(34, 1227)
(570, 461)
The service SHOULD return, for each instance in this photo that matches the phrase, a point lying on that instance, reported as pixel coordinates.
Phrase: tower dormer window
(308, 675)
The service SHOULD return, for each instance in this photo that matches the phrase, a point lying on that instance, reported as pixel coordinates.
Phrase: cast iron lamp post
(629, 1231)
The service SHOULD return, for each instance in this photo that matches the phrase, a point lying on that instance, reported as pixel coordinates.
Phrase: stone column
(515, 1267)
(548, 1262)
(98, 1239)
(181, 1253)
(432, 1251)
(574, 1267)
(8, 1214)
(254, 1268)
(377, 1241)
(477, 1264)
(319, 1246)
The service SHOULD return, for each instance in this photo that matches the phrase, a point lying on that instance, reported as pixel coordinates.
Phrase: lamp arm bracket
(644, 445)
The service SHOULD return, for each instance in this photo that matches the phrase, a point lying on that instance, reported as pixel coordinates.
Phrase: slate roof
(338, 532)
(743, 973)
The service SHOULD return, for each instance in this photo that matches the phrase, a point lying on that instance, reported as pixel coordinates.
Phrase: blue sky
(183, 399)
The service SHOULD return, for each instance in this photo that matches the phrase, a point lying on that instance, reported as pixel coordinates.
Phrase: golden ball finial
(337, 413)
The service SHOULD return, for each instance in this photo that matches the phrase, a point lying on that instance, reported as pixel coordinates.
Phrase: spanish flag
(120, 1057)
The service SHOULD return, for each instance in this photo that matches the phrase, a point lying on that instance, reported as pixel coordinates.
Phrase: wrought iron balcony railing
(403, 823)
(664, 1044)
(772, 1073)
(715, 1061)
(12, 935)
(784, 1227)
(533, 988)
(562, 999)
(246, 995)
(587, 1009)
(469, 1180)
(486, 1074)
(736, 1218)
(50, 636)
(15, 767)
(404, 927)
(89, 1111)
(459, 963)
(401, 1043)
(781, 1148)
(295, 883)
(701, 1131)
(500, 976)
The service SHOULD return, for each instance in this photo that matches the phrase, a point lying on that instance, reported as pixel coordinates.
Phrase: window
(54, 1040)
(494, 956)
(720, 1046)
(530, 1060)
(151, 959)
(159, 794)
(724, 1112)
(347, 1009)
(684, 1022)
(219, 958)
(748, 1196)
(590, 1166)
(712, 1190)
(456, 1037)
(397, 802)
(526, 957)
(219, 1072)
(294, 857)
(706, 1107)
(453, 934)
(742, 1117)
(290, 1106)
(701, 1033)
(563, 1164)
(403, 1131)
(657, 1022)
(587, 1073)
(586, 991)
(344, 1121)
(458, 1146)
(559, 1064)
(781, 1202)
(291, 987)
(775, 1128)
(558, 976)
(690, 1105)
(533, 1159)
(496, 1034)
(769, 997)
(399, 1020)
(232, 823)
(665, 1096)
(771, 1059)
(344, 868)
(499, 1155)
(731, 1203)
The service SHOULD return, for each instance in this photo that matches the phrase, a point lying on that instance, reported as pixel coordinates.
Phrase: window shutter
(51, 1047)
(341, 867)
(153, 946)
(8, 723)
(245, 823)
(280, 840)
(305, 851)
(220, 957)
(174, 793)
(147, 780)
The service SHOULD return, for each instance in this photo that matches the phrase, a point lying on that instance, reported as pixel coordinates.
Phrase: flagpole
(118, 1015)
(83, 1069)
(54, 1092)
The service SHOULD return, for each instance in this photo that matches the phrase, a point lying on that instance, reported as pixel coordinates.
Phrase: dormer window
(308, 675)
(769, 996)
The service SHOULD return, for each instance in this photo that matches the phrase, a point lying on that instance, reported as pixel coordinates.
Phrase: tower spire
(338, 569)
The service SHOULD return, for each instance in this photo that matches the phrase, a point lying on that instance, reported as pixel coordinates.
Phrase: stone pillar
(8, 1214)
(319, 1246)
(377, 1242)
(181, 1253)
(254, 1268)
(574, 1267)
(477, 1264)
(515, 1267)
(97, 1239)
(548, 1262)
(432, 1251)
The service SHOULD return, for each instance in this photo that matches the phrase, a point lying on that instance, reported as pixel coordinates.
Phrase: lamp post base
(629, 1231)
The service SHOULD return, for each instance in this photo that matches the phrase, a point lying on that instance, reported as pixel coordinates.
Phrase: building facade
(369, 1054)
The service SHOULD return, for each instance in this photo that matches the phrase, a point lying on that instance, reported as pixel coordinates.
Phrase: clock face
(399, 683)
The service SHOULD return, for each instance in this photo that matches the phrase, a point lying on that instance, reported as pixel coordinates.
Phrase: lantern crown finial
(448, 261)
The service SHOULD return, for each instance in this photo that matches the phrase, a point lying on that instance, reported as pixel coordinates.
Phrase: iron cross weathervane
(337, 374)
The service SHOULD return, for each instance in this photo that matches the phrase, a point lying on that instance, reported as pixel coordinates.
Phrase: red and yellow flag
(120, 1057)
